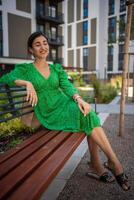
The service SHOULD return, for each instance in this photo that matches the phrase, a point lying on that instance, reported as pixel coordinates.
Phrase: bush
(103, 92)
(116, 82)
(77, 79)
(13, 127)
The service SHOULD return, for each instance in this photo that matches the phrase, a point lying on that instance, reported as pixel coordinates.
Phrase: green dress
(55, 109)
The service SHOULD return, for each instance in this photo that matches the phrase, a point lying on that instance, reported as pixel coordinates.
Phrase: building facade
(94, 36)
(93, 33)
(18, 19)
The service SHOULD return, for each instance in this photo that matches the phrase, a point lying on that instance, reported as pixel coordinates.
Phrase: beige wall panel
(60, 52)
(92, 59)
(78, 9)
(23, 5)
(19, 29)
(71, 58)
(60, 29)
(93, 31)
(60, 7)
(70, 11)
(69, 36)
(78, 58)
(79, 34)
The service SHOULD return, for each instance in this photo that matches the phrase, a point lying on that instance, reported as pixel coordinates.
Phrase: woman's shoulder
(57, 67)
(22, 66)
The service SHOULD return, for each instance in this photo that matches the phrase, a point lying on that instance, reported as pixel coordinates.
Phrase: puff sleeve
(19, 73)
(66, 86)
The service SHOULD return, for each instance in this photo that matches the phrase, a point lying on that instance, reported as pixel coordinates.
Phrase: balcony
(55, 60)
(122, 37)
(54, 40)
(48, 14)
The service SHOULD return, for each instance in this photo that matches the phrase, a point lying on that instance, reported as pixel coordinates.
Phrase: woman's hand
(84, 106)
(31, 94)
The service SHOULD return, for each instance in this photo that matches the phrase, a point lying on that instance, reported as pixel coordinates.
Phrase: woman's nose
(43, 47)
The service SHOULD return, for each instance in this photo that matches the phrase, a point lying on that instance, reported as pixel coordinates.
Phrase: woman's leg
(94, 157)
(99, 137)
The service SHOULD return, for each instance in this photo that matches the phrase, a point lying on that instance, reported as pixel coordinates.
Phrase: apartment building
(94, 36)
(93, 33)
(18, 19)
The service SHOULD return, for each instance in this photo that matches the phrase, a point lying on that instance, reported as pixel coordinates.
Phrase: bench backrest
(12, 102)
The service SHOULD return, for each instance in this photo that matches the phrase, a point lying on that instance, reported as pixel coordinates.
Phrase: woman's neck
(41, 63)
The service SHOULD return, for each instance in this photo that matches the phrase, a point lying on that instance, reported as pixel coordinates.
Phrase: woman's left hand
(84, 106)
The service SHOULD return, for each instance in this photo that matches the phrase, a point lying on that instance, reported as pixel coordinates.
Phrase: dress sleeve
(19, 73)
(66, 86)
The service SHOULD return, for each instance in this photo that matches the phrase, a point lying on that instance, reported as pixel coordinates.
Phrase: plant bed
(11, 141)
(12, 133)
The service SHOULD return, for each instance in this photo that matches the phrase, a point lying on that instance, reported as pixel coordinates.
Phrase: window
(122, 22)
(0, 2)
(52, 11)
(132, 26)
(121, 57)
(111, 7)
(1, 35)
(122, 5)
(112, 30)
(85, 32)
(40, 27)
(53, 33)
(110, 58)
(85, 8)
(85, 59)
(53, 54)
(41, 9)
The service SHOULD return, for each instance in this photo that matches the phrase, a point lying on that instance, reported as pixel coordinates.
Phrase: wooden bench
(27, 170)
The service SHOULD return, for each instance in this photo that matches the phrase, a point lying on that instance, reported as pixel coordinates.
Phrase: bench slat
(25, 153)
(32, 163)
(39, 180)
(27, 142)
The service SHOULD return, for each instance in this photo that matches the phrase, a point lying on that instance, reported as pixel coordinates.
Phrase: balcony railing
(55, 60)
(55, 40)
(47, 13)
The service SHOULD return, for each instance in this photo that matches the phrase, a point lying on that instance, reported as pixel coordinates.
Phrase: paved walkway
(114, 107)
(63, 176)
(103, 108)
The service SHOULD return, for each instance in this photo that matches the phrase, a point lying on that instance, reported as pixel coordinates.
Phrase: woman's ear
(30, 50)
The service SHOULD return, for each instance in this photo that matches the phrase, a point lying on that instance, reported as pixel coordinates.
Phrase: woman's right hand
(31, 94)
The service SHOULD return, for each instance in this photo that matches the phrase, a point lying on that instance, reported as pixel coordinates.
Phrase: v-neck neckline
(46, 78)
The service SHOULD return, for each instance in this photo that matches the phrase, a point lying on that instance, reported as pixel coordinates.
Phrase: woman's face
(40, 48)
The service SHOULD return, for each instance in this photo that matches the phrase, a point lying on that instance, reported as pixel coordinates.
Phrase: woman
(58, 106)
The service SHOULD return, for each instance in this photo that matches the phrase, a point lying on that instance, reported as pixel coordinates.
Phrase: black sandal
(106, 177)
(122, 180)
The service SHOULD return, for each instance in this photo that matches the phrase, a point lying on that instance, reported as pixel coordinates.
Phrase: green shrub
(103, 92)
(13, 127)
(116, 81)
(77, 79)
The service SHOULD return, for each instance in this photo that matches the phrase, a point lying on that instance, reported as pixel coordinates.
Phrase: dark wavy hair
(33, 36)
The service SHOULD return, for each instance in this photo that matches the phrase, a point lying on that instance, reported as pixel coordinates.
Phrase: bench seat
(27, 170)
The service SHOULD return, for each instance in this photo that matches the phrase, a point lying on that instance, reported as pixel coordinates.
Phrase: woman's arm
(70, 90)
(31, 93)
(83, 106)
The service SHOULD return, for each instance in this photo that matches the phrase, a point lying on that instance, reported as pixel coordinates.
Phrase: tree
(130, 4)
